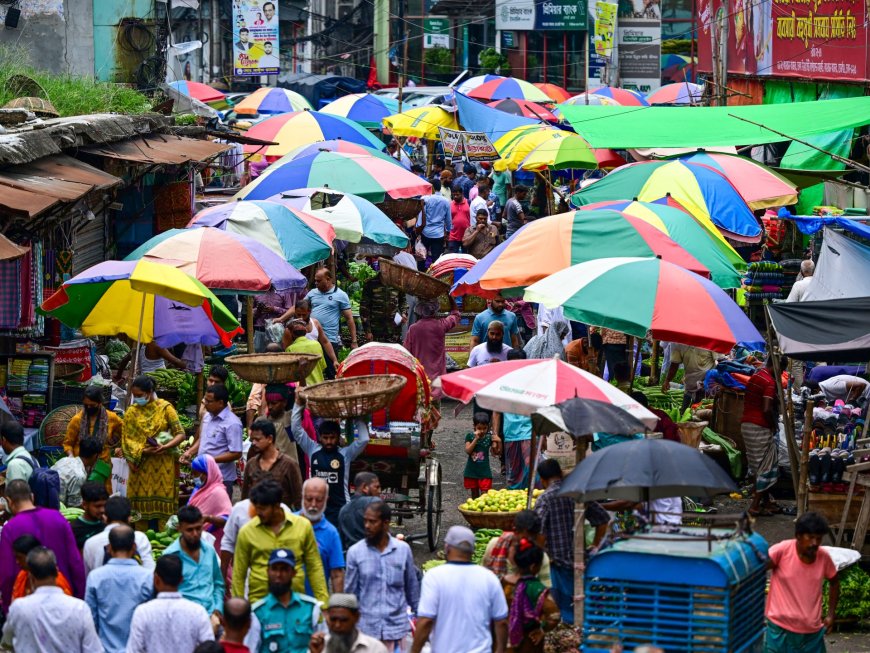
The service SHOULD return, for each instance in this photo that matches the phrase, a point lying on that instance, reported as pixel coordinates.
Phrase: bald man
(315, 492)
(236, 621)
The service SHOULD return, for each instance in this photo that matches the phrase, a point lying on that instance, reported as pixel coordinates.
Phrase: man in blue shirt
(116, 589)
(287, 619)
(314, 494)
(328, 305)
(202, 581)
(437, 221)
(467, 181)
(496, 311)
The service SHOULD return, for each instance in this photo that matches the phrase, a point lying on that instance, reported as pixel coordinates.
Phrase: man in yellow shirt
(303, 345)
(274, 528)
(93, 421)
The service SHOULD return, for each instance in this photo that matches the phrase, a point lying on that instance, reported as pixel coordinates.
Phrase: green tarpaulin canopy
(634, 127)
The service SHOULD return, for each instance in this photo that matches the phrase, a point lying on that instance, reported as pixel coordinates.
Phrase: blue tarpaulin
(475, 116)
(810, 224)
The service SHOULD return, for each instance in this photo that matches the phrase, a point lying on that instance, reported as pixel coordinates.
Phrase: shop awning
(638, 127)
(33, 188)
(834, 331)
(160, 149)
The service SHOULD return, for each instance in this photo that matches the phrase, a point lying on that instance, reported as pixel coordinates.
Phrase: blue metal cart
(697, 591)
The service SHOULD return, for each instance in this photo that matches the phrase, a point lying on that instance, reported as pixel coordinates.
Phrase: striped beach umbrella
(292, 130)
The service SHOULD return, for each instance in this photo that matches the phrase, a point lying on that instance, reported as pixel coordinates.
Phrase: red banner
(810, 39)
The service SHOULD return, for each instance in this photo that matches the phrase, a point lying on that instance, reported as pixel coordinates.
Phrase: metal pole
(129, 399)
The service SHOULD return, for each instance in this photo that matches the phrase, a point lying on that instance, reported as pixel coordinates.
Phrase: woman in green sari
(152, 486)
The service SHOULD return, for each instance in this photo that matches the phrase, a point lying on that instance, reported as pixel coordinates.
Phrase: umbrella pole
(805, 460)
(249, 322)
(654, 364)
(793, 458)
(533, 465)
(580, 447)
(631, 357)
(136, 351)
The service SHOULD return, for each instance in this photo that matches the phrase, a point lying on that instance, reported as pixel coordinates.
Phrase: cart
(397, 451)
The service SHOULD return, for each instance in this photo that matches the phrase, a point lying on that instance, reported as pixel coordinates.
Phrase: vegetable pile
(481, 539)
(116, 350)
(177, 381)
(854, 603)
(500, 501)
(71, 514)
(159, 541)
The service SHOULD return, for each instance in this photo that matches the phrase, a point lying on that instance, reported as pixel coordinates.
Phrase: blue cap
(283, 555)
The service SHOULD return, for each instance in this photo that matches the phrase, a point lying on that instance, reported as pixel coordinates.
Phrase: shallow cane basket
(354, 396)
(419, 284)
(273, 368)
(502, 520)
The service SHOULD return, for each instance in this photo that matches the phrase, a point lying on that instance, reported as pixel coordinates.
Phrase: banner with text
(451, 142)
(605, 28)
(255, 38)
(527, 15)
(471, 146)
(816, 39)
(639, 52)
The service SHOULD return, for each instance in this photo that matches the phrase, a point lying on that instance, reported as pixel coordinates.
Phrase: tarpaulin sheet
(634, 127)
(843, 270)
(475, 116)
(832, 331)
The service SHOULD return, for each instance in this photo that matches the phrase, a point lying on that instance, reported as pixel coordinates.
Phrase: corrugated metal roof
(169, 150)
(35, 187)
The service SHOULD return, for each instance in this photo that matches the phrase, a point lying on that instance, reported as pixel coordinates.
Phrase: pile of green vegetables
(481, 539)
(116, 351)
(71, 514)
(854, 603)
(360, 272)
(178, 381)
(159, 541)
(672, 399)
(238, 388)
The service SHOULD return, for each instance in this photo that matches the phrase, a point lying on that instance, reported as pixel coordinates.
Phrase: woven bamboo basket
(52, 431)
(273, 368)
(419, 284)
(354, 396)
(502, 520)
(690, 432)
(68, 370)
(401, 209)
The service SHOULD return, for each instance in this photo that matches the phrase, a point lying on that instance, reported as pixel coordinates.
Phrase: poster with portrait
(255, 37)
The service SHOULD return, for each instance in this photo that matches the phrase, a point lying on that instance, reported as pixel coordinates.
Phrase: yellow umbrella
(420, 122)
(535, 147)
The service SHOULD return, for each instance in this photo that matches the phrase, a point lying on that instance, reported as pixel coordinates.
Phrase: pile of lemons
(500, 501)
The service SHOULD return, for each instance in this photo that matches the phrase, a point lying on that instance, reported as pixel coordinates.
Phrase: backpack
(45, 485)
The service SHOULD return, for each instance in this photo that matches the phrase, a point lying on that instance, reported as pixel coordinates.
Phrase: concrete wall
(58, 34)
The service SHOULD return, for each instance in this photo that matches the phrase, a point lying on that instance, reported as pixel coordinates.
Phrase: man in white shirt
(95, 552)
(74, 470)
(268, 58)
(800, 287)
(48, 620)
(342, 617)
(461, 604)
(169, 623)
(491, 351)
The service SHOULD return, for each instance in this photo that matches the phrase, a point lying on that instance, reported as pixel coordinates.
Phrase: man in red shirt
(794, 603)
(460, 214)
(758, 426)
(236, 621)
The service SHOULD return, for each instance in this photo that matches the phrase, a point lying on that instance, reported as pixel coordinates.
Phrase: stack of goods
(37, 376)
(763, 280)
(450, 268)
(16, 380)
(835, 431)
(790, 269)
(33, 410)
(827, 210)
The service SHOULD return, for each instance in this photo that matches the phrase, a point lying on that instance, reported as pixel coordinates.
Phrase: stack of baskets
(418, 284)
(354, 396)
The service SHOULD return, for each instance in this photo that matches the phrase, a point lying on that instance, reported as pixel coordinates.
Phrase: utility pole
(404, 58)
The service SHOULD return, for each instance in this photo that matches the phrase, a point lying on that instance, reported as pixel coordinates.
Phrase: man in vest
(329, 461)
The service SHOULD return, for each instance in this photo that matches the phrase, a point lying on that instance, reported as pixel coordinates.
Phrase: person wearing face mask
(210, 497)
(301, 344)
(314, 494)
(93, 421)
(152, 487)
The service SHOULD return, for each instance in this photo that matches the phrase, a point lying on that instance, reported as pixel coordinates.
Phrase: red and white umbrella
(524, 386)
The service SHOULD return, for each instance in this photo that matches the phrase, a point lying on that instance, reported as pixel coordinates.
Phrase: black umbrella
(580, 416)
(641, 470)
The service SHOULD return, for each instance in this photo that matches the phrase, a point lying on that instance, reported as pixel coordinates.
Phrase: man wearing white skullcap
(342, 615)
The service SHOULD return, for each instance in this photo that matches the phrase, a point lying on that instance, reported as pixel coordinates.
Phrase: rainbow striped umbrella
(197, 91)
(367, 176)
(591, 100)
(655, 297)
(525, 108)
(555, 92)
(563, 149)
(473, 82)
(509, 87)
(680, 93)
(625, 97)
(292, 130)
(334, 145)
(551, 244)
(364, 108)
(271, 101)
(281, 229)
(702, 191)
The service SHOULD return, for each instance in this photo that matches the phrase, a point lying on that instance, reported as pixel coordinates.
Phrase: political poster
(605, 29)
(478, 147)
(255, 38)
(451, 143)
(821, 39)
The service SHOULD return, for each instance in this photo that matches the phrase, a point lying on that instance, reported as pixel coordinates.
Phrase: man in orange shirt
(22, 546)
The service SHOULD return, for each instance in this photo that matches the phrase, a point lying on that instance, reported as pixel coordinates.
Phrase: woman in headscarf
(152, 487)
(210, 496)
(93, 421)
(549, 344)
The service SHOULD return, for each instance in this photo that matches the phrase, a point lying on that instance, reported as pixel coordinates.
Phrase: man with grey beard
(315, 492)
(342, 616)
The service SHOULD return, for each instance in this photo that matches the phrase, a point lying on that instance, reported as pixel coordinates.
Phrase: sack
(120, 474)
(45, 485)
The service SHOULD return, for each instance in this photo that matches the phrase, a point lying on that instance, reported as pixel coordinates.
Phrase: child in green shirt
(478, 475)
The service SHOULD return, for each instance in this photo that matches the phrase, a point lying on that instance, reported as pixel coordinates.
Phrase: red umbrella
(198, 91)
(525, 108)
(554, 91)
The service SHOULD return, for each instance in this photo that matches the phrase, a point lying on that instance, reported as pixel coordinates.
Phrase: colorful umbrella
(555, 92)
(203, 254)
(681, 93)
(291, 130)
(524, 386)
(367, 176)
(271, 101)
(473, 82)
(672, 64)
(197, 91)
(366, 109)
(450, 263)
(702, 191)
(721, 259)
(625, 97)
(760, 186)
(593, 100)
(334, 145)
(655, 296)
(509, 87)
(353, 218)
(420, 122)
(281, 229)
(566, 153)
(143, 300)
(545, 246)
(525, 108)
(518, 143)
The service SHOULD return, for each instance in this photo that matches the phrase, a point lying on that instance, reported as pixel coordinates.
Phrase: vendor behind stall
(95, 422)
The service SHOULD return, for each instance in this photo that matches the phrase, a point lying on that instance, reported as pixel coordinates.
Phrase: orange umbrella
(554, 91)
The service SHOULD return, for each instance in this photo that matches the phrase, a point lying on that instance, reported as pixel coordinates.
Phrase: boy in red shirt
(794, 603)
